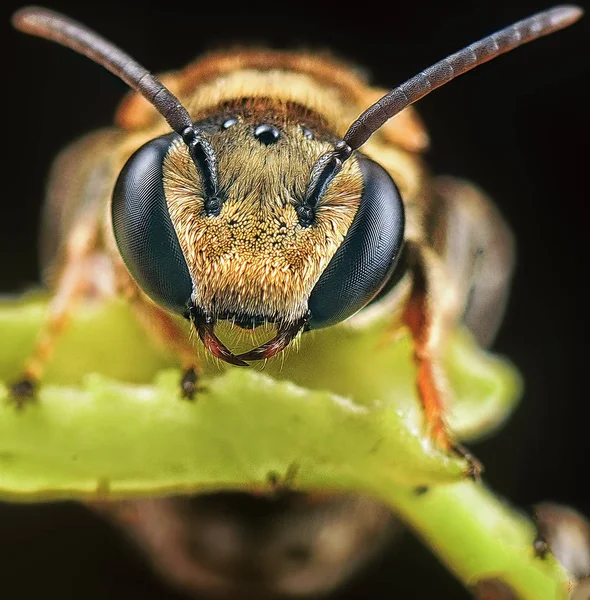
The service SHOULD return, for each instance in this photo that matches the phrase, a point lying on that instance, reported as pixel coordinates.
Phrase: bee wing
(478, 249)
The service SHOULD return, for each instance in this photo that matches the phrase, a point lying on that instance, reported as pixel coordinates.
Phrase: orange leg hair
(417, 319)
(167, 330)
(428, 329)
(82, 273)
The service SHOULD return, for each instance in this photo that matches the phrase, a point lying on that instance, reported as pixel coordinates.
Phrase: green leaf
(341, 413)
(342, 427)
(481, 537)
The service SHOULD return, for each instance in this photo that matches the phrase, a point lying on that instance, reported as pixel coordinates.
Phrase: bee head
(257, 217)
(257, 234)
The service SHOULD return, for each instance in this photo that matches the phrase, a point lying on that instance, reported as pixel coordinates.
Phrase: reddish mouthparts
(286, 333)
(215, 345)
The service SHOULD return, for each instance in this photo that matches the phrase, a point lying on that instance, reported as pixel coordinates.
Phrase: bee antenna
(56, 27)
(442, 72)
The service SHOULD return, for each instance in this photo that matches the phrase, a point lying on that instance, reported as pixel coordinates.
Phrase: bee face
(254, 261)
(257, 252)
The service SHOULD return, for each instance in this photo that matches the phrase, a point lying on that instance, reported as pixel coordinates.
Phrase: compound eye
(368, 254)
(144, 232)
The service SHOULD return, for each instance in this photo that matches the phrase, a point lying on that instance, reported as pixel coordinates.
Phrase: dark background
(518, 126)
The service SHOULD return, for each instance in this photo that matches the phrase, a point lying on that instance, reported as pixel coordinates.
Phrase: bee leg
(418, 318)
(188, 383)
(427, 316)
(166, 330)
(23, 392)
(83, 272)
(461, 275)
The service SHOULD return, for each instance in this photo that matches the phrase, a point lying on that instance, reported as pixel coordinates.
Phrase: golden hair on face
(255, 258)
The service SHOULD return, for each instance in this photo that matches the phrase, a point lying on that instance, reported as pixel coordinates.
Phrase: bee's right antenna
(527, 30)
(53, 26)
(442, 72)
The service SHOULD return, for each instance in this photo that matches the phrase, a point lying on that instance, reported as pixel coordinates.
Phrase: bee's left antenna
(58, 28)
(67, 32)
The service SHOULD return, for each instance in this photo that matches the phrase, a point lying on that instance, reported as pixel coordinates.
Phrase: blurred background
(519, 127)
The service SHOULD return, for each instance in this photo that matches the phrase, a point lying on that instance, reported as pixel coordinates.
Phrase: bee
(273, 189)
